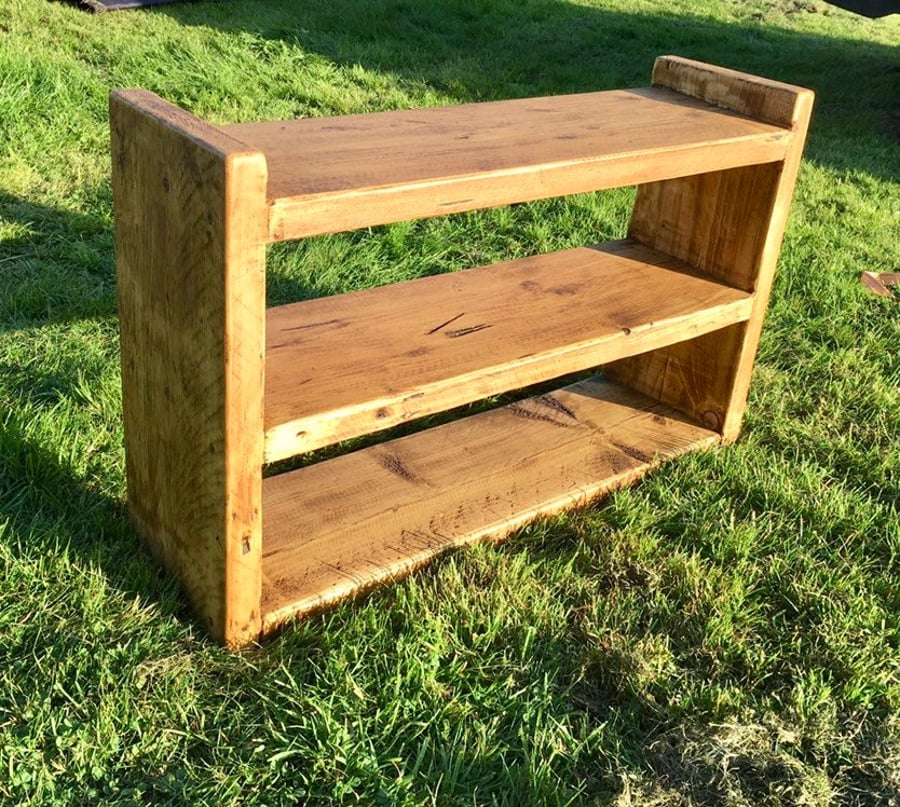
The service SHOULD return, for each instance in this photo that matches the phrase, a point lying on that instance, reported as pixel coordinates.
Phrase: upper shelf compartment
(333, 174)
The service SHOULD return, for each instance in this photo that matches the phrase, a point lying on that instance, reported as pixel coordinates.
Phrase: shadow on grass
(57, 265)
(480, 50)
(44, 504)
(57, 268)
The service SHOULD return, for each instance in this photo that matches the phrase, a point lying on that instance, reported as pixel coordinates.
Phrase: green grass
(726, 633)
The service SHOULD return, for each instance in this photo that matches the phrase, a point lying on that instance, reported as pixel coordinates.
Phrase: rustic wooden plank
(339, 527)
(729, 224)
(696, 376)
(190, 255)
(762, 99)
(332, 174)
(716, 221)
(353, 364)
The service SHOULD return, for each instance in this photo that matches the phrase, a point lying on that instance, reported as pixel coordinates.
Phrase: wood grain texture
(337, 528)
(334, 174)
(696, 376)
(190, 256)
(754, 96)
(357, 363)
(717, 221)
(727, 223)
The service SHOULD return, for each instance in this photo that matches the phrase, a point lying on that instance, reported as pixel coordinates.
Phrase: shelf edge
(295, 217)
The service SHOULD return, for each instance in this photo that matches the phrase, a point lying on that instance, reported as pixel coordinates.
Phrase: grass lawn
(725, 633)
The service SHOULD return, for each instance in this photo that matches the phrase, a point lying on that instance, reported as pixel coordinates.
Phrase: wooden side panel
(190, 253)
(717, 222)
(344, 525)
(696, 376)
(728, 223)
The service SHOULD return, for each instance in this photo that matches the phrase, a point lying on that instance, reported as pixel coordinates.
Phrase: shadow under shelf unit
(215, 386)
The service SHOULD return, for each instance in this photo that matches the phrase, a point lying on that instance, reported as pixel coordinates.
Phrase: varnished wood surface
(331, 174)
(340, 527)
(717, 221)
(190, 257)
(348, 365)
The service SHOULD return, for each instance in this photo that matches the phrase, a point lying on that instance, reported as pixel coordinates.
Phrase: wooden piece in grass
(194, 210)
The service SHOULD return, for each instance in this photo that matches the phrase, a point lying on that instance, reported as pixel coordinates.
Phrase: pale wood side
(728, 223)
(190, 254)
(337, 528)
(431, 344)
(334, 174)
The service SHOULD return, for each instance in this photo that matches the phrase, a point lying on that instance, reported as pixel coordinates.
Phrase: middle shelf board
(343, 366)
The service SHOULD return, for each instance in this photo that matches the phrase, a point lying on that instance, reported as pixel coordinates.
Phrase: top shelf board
(333, 174)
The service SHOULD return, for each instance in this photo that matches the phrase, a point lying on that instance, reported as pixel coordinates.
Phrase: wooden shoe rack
(215, 386)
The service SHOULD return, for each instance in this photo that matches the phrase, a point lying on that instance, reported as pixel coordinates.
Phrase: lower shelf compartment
(337, 528)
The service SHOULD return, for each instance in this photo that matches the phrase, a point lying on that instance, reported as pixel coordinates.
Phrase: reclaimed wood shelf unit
(215, 386)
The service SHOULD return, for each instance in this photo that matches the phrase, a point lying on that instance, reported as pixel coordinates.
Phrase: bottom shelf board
(337, 528)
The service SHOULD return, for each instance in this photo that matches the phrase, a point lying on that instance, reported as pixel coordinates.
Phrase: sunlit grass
(725, 633)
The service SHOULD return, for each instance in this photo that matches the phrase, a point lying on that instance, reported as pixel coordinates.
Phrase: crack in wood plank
(339, 322)
(395, 465)
(556, 405)
(522, 411)
(466, 331)
(445, 324)
(631, 451)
